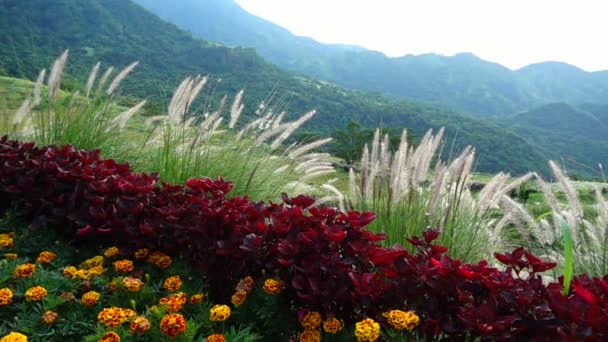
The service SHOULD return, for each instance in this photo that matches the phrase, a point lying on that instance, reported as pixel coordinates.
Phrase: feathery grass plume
(292, 128)
(55, 76)
(236, 109)
(568, 189)
(522, 219)
(91, 79)
(38, 88)
(104, 78)
(308, 147)
(21, 112)
(339, 196)
(120, 121)
(121, 76)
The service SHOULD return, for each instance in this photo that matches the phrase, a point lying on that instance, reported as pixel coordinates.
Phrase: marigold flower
(67, 296)
(14, 337)
(46, 257)
(332, 326)
(90, 298)
(310, 336)
(113, 317)
(245, 284)
(110, 336)
(197, 298)
(141, 253)
(238, 298)
(6, 240)
(219, 313)
(139, 325)
(10, 256)
(124, 266)
(69, 271)
(6, 296)
(92, 262)
(402, 320)
(160, 260)
(173, 325)
(83, 274)
(111, 252)
(175, 302)
(35, 294)
(132, 284)
(49, 317)
(216, 338)
(172, 283)
(312, 321)
(272, 287)
(367, 330)
(24, 270)
(97, 271)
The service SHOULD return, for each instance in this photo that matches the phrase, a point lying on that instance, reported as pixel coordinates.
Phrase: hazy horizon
(512, 33)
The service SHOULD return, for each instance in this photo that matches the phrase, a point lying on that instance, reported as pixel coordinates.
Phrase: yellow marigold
(97, 271)
(141, 253)
(219, 313)
(238, 298)
(310, 336)
(46, 257)
(172, 283)
(124, 266)
(6, 240)
(402, 320)
(92, 262)
(216, 338)
(111, 252)
(10, 256)
(139, 325)
(90, 298)
(83, 274)
(173, 325)
(24, 270)
(312, 320)
(69, 271)
(332, 326)
(49, 317)
(197, 298)
(245, 284)
(35, 294)
(14, 337)
(6, 296)
(175, 302)
(272, 287)
(110, 336)
(113, 317)
(160, 260)
(132, 284)
(367, 330)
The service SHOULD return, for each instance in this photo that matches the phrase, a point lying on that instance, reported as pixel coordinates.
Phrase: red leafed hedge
(325, 258)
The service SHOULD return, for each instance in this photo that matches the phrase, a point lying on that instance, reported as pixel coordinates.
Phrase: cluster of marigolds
(173, 322)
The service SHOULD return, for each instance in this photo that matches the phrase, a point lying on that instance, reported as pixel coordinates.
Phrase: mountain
(117, 32)
(573, 135)
(464, 81)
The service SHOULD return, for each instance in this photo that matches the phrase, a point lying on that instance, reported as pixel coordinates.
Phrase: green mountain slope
(117, 32)
(574, 135)
(463, 81)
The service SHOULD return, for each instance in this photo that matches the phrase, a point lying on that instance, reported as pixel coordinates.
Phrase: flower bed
(324, 260)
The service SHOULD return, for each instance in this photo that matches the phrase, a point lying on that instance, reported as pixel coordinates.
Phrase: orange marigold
(14, 337)
(312, 320)
(160, 260)
(141, 253)
(90, 298)
(110, 336)
(245, 284)
(97, 271)
(238, 298)
(83, 274)
(272, 287)
(46, 257)
(49, 317)
(332, 326)
(175, 302)
(69, 271)
(113, 317)
(173, 325)
(172, 283)
(401, 319)
(219, 313)
(6, 296)
(124, 266)
(216, 338)
(197, 298)
(6, 240)
(132, 284)
(310, 336)
(35, 294)
(24, 270)
(111, 252)
(139, 325)
(10, 256)
(367, 330)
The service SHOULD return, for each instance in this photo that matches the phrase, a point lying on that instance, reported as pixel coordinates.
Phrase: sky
(513, 33)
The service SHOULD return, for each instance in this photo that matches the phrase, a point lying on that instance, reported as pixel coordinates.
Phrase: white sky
(510, 32)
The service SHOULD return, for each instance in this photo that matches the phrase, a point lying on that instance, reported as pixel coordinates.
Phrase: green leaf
(568, 256)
